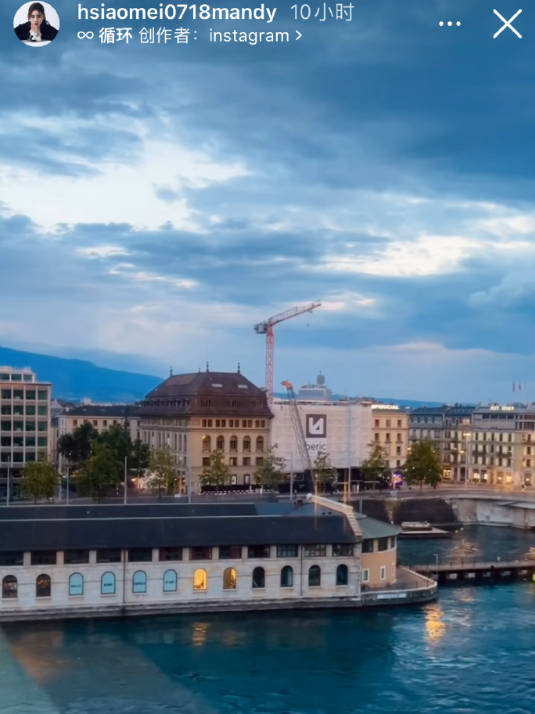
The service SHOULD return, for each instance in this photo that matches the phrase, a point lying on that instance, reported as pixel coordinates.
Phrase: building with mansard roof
(196, 414)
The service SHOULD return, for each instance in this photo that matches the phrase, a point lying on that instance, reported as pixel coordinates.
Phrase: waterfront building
(141, 559)
(390, 430)
(341, 429)
(315, 392)
(501, 445)
(197, 414)
(24, 424)
(449, 427)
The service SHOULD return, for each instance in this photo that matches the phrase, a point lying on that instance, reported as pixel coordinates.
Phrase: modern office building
(315, 392)
(24, 424)
(97, 561)
(197, 414)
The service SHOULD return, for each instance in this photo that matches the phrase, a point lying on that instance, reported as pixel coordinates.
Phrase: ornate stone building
(196, 414)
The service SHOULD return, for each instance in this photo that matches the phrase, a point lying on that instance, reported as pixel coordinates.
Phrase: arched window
(287, 577)
(10, 587)
(76, 585)
(200, 580)
(139, 582)
(259, 578)
(107, 584)
(230, 579)
(259, 444)
(342, 575)
(43, 586)
(314, 577)
(247, 444)
(170, 581)
(207, 443)
(233, 444)
(220, 443)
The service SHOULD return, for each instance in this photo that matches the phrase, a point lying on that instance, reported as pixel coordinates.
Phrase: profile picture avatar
(36, 24)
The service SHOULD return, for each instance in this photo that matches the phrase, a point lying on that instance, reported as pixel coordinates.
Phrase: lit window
(200, 580)
(230, 579)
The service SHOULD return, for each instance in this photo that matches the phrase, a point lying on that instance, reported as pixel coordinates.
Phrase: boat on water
(421, 529)
(409, 526)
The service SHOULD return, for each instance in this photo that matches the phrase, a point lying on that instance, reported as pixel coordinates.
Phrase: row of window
(21, 410)
(108, 581)
(42, 395)
(8, 425)
(21, 441)
(145, 555)
(233, 444)
(15, 377)
(234, 423)
(382, 544)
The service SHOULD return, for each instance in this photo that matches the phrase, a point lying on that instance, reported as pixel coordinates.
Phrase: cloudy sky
(156, 201)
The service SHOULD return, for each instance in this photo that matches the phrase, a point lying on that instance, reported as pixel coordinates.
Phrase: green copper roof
(372, 528)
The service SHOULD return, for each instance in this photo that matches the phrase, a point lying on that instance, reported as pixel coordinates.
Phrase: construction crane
(266, 328)
(306, 462)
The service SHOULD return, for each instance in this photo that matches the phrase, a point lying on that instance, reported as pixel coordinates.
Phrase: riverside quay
(110, 560)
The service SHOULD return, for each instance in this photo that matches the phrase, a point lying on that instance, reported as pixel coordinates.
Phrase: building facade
(501, 445)
(127, 560)
(197, 414)
(390, 430)
(25, 432)
(340, 429)
(449, 427)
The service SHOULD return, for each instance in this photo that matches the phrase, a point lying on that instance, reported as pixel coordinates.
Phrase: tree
(140, 456)
(39, 480)
(374, 465)
(324, 471)
(118, 439)
(270, 472)
(218, 472)
(101, 472)
(162, 477)
(77, 447)
(424, 464)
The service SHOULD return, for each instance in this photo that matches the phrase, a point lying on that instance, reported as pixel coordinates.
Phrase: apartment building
(24, 424)
(501, 445)
(390, 430)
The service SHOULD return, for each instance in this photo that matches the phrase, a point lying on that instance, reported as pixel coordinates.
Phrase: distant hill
(413, 403)
(74, 379)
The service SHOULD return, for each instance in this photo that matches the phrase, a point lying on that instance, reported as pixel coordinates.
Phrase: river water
(472, 651)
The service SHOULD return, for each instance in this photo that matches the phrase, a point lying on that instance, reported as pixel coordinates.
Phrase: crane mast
(266, 328)
(300, 437)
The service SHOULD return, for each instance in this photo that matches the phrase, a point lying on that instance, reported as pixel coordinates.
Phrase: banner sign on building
(316, 426)
(316, 432)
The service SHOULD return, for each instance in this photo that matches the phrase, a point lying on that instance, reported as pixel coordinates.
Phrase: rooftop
(163, 525)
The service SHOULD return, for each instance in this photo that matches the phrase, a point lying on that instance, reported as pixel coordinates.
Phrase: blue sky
(158, 201)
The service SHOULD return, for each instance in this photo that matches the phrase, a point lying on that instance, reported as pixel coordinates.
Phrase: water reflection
(435, 626)
(199, 632)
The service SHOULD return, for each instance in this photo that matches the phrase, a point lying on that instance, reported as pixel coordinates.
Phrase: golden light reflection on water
(39, 654)
(198, 634)
(435, 626)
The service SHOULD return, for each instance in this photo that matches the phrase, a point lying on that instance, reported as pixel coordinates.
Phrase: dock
(485, 571)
